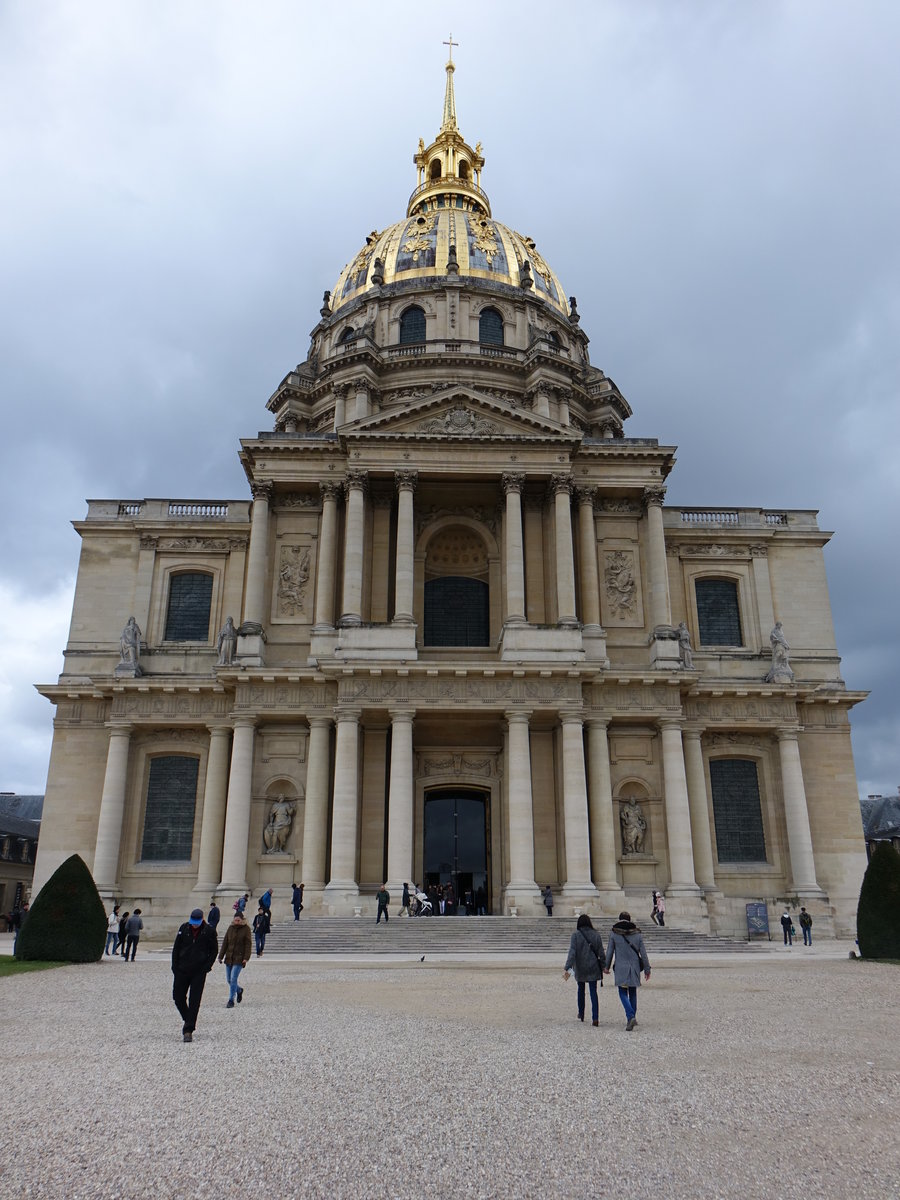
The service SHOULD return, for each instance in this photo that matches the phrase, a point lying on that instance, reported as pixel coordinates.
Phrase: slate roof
(881, 817)
(20, 816)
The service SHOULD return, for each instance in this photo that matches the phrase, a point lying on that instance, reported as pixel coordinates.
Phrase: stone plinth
(538, 643)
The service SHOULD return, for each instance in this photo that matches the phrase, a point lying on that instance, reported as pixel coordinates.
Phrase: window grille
(456, 612)
(187, 616)
(718, 612)
(490, 328)
(736, 810)
(412, 326)
(171, 803)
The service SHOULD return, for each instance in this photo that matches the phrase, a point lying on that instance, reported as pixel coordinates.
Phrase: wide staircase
(415, 936)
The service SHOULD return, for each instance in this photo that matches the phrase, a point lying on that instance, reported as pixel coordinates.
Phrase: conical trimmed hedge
(67, 921)
(878, 914)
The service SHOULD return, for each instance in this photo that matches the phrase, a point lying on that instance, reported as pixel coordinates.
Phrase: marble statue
(634, 827)
(277, 831)
(780, 671)
(685, 653)
(227, 643)
(130, 643)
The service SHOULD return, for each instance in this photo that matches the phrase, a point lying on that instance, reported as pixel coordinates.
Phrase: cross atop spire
(449, 118)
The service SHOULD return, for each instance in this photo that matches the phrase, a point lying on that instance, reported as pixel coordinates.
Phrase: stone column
(403, 590)
(704, 867)
(353, 548)
(340, 405)
(400, 801)
(324, 617)
(112, 808)
(759, 562)
(254, 597)
(212, 826)
(362, 399)
(513, 483)
(657, 567)
(315, 811)
(590, 575)
(521, 815)
(678, 813)
(796, 815)
(561, 486)
(345, 809)
(600, 808)
(237, 811)
(578, 886)
(563, 408)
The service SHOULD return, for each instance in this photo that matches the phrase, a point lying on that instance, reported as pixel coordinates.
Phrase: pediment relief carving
(460, 413)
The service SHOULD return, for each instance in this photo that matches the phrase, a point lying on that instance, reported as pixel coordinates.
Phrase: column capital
(406, 480)
(262, 491)
(342, 715)
(518, 716)
(512, 481)
(217, 730)
(670, 723)
(560, 483)
(331, 489)
(693, 731)
(402, 716)
(653, 497)
(356, 481)
(585, 494)
(319, 722)
(788, 733)
(568, 716)
(597, 722)
(245, 722)
(119, 727)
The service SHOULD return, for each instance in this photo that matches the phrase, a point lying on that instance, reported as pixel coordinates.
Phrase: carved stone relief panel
(449, 763)
(170, 705)
(293, 587)
(620, 587)
(755, 709)
(631, 747)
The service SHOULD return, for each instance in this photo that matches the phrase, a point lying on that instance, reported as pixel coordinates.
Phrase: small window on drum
(718, 612)
(434, 171)
(348, 335)
(412, 326)
(187, 614)
(490, 328)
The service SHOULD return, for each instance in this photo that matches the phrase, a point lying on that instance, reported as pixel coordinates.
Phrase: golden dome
(448, 229)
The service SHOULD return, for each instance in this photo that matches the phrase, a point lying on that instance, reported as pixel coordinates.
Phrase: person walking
(123, 921)
(383, 897)
(214, 916)
(237, 947)
(625, 950)
(806, 927)
(404, 907)
(133, 927)
(586, 955)
(660, 909)
(18, 918)
(654, 910)
(262, 923)
(240, 905)
(548, 900)
(112, 930)
(265, 900)
(193, 957)
(297, 899)
(787, 927)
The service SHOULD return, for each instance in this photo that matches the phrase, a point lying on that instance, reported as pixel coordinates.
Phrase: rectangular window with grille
(718, 612)
(187, 615)
(737, 811)
(171, 804)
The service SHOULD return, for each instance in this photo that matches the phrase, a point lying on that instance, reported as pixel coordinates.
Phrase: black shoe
(230, 1004)
(631, 1024)
(240, 994)
(581, 1016)
(595, 1024)
(188, 1037)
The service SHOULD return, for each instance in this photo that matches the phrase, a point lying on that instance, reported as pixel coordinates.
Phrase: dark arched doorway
(457, 842)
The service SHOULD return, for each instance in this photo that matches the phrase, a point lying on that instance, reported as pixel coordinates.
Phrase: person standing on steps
(625, 949)
(265, 900)
(193, 957)
(404, 907)
(660, 909)
(383, 897)
(587, 956)
(214, 916)
(236, 950)
(297, 899)
(806, 927)
(262, 923)
(548, 900)
(787, 927)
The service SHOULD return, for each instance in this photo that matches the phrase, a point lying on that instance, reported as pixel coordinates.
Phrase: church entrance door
(456, 844)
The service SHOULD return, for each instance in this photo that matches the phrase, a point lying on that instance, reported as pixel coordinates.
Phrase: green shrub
(67, 921)
(878, 914)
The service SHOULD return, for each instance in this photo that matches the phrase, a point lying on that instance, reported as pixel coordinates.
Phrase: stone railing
(169, 511)
(740, 518)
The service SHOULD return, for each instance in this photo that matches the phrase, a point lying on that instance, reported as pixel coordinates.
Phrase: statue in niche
(227, 643)
(780, 671)
(278, 828)
(685, 653)
(634, 828)
(130, 643)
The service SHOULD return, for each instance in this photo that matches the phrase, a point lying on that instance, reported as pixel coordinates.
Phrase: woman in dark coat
(626, 948)
(586, 955)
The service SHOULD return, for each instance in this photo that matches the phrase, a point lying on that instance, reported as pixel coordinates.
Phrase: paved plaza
(772, 1074)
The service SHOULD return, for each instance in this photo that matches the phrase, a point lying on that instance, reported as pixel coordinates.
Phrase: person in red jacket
(193, 955)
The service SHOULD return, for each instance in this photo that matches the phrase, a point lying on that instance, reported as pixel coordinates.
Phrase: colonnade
(588, 810)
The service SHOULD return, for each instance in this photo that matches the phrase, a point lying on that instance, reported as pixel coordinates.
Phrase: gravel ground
(769, 1076)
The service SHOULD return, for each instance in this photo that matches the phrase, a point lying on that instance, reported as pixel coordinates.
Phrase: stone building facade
(470, 641)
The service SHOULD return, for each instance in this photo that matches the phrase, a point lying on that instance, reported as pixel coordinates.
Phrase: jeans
(380, 911)
(788, 937)
(231, 974)
(628, 996)
(260, 942)
(130, 945)
(188, 1007)
(297, 908)
(595, 1009)
(807, 937)
(112, 939)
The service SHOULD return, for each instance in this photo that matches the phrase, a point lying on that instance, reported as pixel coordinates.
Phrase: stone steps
(467, 935)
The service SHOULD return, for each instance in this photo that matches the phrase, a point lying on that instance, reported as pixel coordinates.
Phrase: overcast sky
(716, 182)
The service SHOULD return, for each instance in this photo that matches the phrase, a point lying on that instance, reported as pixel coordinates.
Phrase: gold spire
(449, 118)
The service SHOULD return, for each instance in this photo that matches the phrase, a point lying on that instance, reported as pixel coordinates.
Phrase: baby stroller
(421, 906)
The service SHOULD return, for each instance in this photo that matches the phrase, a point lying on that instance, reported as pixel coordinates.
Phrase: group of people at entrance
(436, 899)
(625, 954)
(787, 927)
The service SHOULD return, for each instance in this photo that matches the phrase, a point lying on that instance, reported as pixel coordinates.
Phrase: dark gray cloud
(717, 183)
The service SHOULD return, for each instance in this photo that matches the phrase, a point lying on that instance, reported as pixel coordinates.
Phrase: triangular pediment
(458, 413)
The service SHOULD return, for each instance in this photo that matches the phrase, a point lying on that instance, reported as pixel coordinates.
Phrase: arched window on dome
(412, 325)
(490, 328)
(348, 335)
(554, 341)
(434, 171)
(463, 169)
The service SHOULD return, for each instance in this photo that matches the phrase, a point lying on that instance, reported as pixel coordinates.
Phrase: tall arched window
(718, 612)
(737, 811)
(457, 595)
(171, 804)
(463, 169)
(434, 171)
(412, 325)
(187, 614)
(490, 328)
